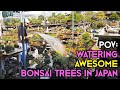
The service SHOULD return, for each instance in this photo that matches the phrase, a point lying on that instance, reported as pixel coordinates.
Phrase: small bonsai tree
(9, 47)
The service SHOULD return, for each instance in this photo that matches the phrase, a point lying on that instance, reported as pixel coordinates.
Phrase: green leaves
(88, 16)
(36, 38)
(100, 15)
(8, 38)
(41, 17)
(86, 38)
(86, 35)
(114, 16)
(57, 57)
(34, 21)
(98, 24)
(77, 17)
(11, 22)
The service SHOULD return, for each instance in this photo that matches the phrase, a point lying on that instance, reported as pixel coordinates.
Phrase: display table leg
(19, 64)
(2, 69)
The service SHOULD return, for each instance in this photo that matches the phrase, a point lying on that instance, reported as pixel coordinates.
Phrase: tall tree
(60, 17)
(53, 14)
(77, 17)
(89, 15)
(34, 21)
(15, 22)
(7, 22)
(41, 17)
(100, 15)
(53, 19)
(64, 20)
(12, 22)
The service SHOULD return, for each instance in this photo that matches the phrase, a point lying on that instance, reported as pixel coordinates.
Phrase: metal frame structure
(73, 27)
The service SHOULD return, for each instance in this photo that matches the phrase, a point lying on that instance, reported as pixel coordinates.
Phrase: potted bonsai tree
(9, 47)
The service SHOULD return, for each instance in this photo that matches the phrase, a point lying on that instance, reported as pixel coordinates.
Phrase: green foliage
(47, 61)
(53, 14)
(70, 42)
(81, 49)
(55, 18)
(34, 21)
(101, 24)
(61, 18)
(57, 57)
(8, 38)
(45, 68)
(68, 49)
(15, 22)
(36, 61)
(100, 15)
(114, 16)
(36, 38)
(1, 46)
(12, 22)
(51, 20)
(98, 24)
(87, 38)
(77, 17)
(54, 35)
(86, 35)
(9, 48)
(80, 30)
(88, 16)
(41, 17)
(81, 41)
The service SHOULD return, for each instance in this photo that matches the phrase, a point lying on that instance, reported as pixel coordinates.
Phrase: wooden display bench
(4, 56)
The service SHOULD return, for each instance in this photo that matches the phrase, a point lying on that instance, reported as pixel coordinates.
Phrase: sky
(38, 13)
(46, 13)
(0, 15)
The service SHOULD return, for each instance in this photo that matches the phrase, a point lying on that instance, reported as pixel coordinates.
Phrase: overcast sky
(46, 13)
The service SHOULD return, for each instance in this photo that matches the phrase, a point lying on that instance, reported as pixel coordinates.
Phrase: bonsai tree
(86, 37)
(9, 47)
(47, 61)
(59, 60)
